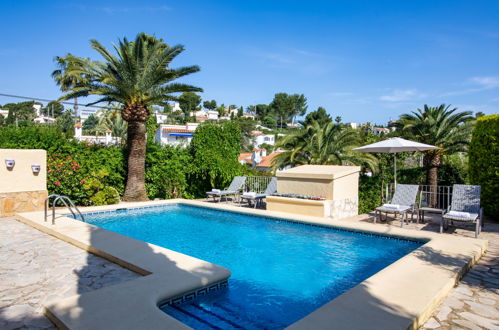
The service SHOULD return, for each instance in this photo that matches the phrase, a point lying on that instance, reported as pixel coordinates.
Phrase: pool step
(212, 316)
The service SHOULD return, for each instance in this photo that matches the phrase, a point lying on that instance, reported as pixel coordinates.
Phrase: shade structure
(394, 145)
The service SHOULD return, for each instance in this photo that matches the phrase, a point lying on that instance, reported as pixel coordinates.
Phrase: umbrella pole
(395, 168)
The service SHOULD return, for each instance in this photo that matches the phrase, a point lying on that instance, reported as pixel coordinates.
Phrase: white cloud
(486, 82)
(480, 84)
(399, 95)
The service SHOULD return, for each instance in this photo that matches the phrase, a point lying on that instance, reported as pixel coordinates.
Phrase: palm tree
(137, 77)
(67, 76)
(439, 126)
(111, 119)
(318, 144)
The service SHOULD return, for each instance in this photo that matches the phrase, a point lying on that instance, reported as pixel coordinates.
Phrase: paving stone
(432, 324)
(487, 323)
(464, 290)
(467, 324)
(36, 268)
(487, 301)
(484, 310)
(443, 313)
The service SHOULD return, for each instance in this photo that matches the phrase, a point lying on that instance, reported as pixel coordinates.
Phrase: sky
(366, 61)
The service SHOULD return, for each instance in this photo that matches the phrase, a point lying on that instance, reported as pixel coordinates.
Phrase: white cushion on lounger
(392, 206)
(250, 194)
(217, 191)
(460, 215)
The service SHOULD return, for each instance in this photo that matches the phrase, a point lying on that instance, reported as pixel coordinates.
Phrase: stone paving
(36, 268)
(474, 302)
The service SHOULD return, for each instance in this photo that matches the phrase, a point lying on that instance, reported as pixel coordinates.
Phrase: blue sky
(361, 60)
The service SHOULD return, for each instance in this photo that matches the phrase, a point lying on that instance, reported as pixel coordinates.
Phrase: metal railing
(438, 197)
(257, 184)
(66, 201)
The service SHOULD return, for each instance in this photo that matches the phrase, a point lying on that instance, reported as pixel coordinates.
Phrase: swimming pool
(281, 271)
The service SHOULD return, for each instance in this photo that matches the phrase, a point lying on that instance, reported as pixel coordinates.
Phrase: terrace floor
(474, 302)
(36, 268)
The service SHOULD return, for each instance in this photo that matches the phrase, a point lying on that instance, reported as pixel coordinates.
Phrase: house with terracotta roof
(175, 135)
(258, 159)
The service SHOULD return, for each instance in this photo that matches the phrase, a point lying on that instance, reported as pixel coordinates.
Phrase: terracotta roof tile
(267, 160)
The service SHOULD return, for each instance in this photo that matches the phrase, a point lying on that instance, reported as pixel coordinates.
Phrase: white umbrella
(394, 145)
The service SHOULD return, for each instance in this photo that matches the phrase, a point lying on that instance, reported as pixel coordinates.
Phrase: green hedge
(91, 175)
(484, 162)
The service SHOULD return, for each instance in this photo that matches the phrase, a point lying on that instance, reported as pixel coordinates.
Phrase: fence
(257, 183)
(438, 197)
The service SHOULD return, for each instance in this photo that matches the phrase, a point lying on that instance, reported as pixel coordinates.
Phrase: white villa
(106, 140)
(204, 115)
(176, 135)
(260, 138)
(161, 117)
(378, 131)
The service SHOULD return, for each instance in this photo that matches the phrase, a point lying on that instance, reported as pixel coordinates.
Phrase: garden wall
(21, 188)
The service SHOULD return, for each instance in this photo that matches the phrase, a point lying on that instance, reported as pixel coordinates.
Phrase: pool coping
(401, 296)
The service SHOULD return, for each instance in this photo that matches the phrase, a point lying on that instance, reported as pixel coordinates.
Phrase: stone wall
(344, 208)
(24, 201)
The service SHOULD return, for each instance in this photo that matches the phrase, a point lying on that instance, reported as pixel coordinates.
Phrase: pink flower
(57, 183)
(82, 181)
(73, 167)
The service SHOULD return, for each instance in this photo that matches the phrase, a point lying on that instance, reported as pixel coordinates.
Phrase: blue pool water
(281, 271)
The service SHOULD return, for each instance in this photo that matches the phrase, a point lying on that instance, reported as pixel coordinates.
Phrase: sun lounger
(234, 189)
(258, 198)
(465, 207)
(403, 201)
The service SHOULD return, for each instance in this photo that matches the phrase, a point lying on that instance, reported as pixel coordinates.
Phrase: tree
(322, 145)
(439, 126)
(111, 119)
(90, 124)
(337, 120)
(20, 111)
(479, 114)
(53, 109)
(69, 75)
(259, 110)
(320, 115)
(189, 102)
(215, 149)
(210, 105)
(287, 107)
(240, 111)
(65, 122)
(137, 77)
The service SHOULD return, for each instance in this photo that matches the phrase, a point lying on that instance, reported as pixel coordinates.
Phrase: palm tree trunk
(136, 143)
(76, 108)
(432, 162)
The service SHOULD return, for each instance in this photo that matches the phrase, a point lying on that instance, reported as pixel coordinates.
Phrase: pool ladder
(66, 201)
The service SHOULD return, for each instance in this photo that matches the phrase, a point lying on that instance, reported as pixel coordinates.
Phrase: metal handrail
(47, 200)
(63, 199)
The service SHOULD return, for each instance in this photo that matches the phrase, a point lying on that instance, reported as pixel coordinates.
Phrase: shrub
(99, 193)
(214, 150)
(484, 162)
(167, 170)
(369, 193)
